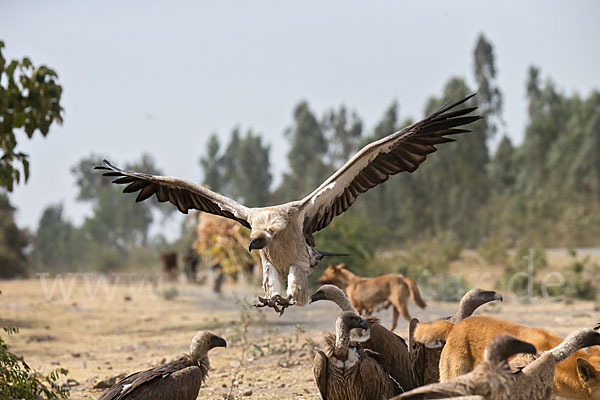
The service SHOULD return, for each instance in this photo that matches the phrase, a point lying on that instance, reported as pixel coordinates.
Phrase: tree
(29, 101)
(489, 95)
(502, 168)
(212, 164)
(117, 220)
(13, 242)
(58, 245)
(306, 156)
(343, 131)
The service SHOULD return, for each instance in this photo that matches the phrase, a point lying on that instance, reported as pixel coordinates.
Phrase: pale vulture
(284, 233)
(180, 379)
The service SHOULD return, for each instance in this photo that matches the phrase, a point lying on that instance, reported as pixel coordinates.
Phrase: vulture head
(329, 292)
(265, 227)
(480, 296)
(505, 346)
(202, 342)
(349, 320)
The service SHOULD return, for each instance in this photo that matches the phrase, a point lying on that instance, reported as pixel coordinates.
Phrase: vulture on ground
(180, 379)
(284, 233)
(492, 377)
(391, 348)
(345, 372)
(425, 360)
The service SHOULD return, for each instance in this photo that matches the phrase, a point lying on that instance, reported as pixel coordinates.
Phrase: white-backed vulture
(392, 349)
(180, 379)
(284, 233)
(425, 360)
(491, 378)
(345, 372)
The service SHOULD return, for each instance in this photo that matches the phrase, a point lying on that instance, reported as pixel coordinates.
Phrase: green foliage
(349, 234)
(29, 101)
(242, 171)
(19, 381)
(306, 156)
(13, 242)
(494, 249)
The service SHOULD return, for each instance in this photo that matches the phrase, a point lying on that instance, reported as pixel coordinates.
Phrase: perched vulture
(284, 233)
(180, 379)
(425, 360)
(391, 348)
(492, 377)
(345, 372)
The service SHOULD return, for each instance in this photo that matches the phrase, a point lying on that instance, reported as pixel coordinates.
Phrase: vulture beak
(316, 296)
(362, 324)
(495, 295)
(257, 243)
(220, 342)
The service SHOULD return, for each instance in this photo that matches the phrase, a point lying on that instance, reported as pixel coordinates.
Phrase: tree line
(543, 192)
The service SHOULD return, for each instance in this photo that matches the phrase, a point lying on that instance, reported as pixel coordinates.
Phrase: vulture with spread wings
(284, 233)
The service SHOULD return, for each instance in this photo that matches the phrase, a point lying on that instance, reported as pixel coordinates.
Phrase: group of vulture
(363, 360)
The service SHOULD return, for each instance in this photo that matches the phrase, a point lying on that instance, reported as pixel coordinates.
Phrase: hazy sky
(160, 77)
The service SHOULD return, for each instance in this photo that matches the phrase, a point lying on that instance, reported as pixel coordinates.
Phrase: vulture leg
(297, 287)
(272, 286)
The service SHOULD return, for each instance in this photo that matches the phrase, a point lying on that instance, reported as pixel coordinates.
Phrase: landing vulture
(180, 379)
(284, 233)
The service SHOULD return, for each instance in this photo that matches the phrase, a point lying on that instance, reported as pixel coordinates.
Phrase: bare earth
(99, 331)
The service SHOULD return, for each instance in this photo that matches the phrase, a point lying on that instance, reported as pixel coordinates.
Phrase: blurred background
(243, 96)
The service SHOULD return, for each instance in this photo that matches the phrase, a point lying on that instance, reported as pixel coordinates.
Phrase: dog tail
(415, 293)
(427, 332)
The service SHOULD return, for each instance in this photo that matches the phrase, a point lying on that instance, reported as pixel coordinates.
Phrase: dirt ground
(99, 330)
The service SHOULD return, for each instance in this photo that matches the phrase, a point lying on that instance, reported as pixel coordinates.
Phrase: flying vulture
(179, 379)
(284, 233)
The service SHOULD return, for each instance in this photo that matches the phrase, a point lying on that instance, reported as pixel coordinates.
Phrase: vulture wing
(138, 380)
(392, 354)
(320, 370)
(183, 194)
(401, 151)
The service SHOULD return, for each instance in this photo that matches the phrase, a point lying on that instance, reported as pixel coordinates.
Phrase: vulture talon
(277, 303)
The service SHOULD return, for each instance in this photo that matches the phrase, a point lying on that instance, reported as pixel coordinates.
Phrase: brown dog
(577, 377)
(366, 293)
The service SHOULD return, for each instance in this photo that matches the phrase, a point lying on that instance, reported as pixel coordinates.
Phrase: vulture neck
(567, 347)
(466, 308)
(342, 340)
(343, 302)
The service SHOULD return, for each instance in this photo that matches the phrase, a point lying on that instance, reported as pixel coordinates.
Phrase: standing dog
(366, 293)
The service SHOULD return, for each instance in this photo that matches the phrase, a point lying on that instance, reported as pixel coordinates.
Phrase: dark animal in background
(180, 379)
(283, 234)
(169, 264)
(191, 259)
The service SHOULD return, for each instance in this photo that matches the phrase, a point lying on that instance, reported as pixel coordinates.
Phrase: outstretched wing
(401, 151)
(183, 194)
